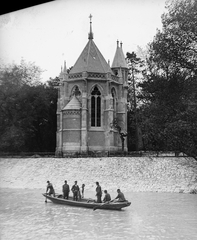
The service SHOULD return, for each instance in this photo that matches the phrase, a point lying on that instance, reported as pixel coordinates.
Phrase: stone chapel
(90, 97)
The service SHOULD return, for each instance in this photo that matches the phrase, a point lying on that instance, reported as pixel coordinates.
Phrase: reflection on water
(25, 215)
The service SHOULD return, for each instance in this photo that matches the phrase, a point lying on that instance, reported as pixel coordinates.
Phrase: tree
(122, 134)
(18, 75)
(136, 67)
(28, 110)
(169, 90)
(176, 45)
(53, 82)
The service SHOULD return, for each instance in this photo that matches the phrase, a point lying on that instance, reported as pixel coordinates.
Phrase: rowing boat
(87, 203)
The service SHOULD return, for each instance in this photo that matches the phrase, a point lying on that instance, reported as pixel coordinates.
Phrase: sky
(50, 33)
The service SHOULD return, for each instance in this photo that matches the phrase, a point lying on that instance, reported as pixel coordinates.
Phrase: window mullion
(96, 110)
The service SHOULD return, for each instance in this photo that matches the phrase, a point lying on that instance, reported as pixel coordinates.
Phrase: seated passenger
(120, 197)
(107, 197)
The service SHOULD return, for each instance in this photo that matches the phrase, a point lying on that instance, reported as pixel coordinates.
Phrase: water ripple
(25, 216)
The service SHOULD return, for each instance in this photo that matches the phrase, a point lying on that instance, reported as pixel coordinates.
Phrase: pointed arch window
(113, 93)
(96, 107)
(113, 96)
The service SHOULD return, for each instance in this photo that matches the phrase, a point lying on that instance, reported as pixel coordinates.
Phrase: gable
(91, 60)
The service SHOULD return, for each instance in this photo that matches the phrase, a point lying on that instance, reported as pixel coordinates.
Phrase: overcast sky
(50, 33)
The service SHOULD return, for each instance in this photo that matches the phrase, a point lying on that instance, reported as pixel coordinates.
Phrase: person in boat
(82, 190)
(50, 188)
(79, 194)
(98, 192)
(65, 190)
(107, 197)
(120, 197)
(75, 190)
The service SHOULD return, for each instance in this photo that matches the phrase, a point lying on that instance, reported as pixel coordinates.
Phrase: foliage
(180, 27)
(116, 125)
(175, 47)
(169, 91)
(28, 110)
(53, 82)
(136, 68)
(16, 76)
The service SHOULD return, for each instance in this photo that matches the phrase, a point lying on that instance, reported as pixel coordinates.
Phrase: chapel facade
(90, 97)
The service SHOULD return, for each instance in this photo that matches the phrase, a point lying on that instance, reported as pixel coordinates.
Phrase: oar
(46, 198)
(97, 207)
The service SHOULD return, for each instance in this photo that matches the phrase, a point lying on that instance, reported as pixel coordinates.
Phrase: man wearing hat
(50, 188)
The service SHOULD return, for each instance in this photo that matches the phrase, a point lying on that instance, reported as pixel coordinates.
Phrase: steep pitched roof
(91, 60)
(119, 59)
(73, 104)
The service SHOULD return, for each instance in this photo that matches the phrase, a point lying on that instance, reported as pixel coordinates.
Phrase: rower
(120, 197)
(107, 197)
(50, 188)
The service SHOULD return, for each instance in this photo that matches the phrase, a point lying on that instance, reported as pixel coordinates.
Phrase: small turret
(64, 72)
(65, 68)
(119, 59)
(61, 75)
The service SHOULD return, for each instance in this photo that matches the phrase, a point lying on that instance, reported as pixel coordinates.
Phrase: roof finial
(65, 69)
(90, 35)
(90, 18)
(117, 43)
(121, 44)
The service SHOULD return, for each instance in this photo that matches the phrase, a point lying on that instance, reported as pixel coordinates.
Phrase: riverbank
(163, 174)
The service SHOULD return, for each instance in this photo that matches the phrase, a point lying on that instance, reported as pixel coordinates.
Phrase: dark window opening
(116, 72)
(113, 102)
(98, 119)
(95, 107)
(93, 111)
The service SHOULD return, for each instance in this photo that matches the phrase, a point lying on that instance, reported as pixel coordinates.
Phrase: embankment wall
(162, 174)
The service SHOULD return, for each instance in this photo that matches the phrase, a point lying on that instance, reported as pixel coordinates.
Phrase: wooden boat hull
(87, 203)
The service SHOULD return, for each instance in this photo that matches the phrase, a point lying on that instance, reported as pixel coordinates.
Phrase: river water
(25, 215)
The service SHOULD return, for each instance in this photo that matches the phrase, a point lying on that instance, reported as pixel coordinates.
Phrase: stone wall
(163, 174)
